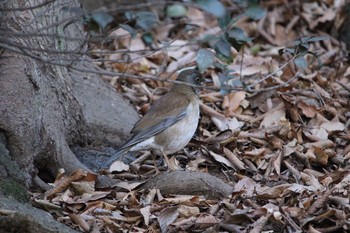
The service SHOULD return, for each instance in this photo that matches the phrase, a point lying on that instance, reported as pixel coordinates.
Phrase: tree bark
(46, 105)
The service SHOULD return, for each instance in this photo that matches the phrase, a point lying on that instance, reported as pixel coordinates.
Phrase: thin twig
(296, 76)
(27, 8)
(273, 73)
(343, 85)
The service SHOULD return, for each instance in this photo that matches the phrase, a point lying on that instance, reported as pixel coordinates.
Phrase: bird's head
(191, 77)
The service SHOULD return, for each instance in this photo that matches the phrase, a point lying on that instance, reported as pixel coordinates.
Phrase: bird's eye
(198, 79)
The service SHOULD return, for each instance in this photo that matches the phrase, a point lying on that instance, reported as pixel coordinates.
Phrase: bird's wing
(159, 117)
(168, 110)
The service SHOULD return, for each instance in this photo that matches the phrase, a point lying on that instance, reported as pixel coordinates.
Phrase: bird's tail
(116, 156)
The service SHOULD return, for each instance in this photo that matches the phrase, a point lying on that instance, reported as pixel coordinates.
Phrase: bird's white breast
(176, 136)
(181, 133)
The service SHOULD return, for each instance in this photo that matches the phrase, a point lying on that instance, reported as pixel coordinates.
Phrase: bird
(171, 121)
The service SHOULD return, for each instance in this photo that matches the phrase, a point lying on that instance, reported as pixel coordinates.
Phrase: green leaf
(255, 49)
(191, 27)
(301, 62)
(286, 50)
(147, 38)
(129, 15)
(255, 12)
(214, 7)
(227, 80)
(146, 20)
(302, 49)
(241, 3)
(176, 10)
(308, 39)
(220, 66)
(224, 21)
(102, 19)
(314, 38)
(205, 58)
(223, 50)
(237, 37)
(129, 29)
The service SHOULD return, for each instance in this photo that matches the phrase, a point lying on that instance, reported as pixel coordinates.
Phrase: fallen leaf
(188, 211)
(166, 217)
(119, 166)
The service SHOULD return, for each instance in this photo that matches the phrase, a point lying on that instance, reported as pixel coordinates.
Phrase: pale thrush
(171, 121)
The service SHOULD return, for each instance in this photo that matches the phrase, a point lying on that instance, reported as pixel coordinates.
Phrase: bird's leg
(172, 165)
(167, 161)
(155, 162)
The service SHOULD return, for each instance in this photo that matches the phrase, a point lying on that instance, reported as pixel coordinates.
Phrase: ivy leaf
(147, 38)
(205, 58)
(130, 15)
(291, 51)
(129, 29)
(220, 66)
(214, 7)
(237, 37)
(227, 80)
(146, 20)
(254, 11)
(176, 10)
(301, 62)
(309, 39)
(102, 19)
(224, 21)
(223, 50)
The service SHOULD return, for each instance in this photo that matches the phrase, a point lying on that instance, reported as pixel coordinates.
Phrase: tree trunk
(46, 103)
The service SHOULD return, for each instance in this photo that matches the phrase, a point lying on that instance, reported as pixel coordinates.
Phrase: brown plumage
(170, 122)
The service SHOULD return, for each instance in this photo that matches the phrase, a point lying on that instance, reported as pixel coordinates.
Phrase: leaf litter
(285, 152)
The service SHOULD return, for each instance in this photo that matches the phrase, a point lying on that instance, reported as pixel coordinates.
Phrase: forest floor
(283, 146)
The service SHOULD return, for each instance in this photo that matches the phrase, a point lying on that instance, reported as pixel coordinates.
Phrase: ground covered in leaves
(279, 142)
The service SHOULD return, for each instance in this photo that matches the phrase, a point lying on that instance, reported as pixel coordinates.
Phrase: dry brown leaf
(255, 155)
(273, 192)
(260, 223)
(167, 217)
(148, 198)
(232, 101)
(247, 185)
(221, 122)
(311, 180)
(64, 183)
(232, 157)
(77, 219)
(129, 186)
(273, 117)
(224, 123)
(221, 159)
(294, 211)
(179, 199)
(188, 211)
(119, 166)
(97, 195)
(46, 205)
(82, 187)
(206, 220)
(146, 213)
(193, 164)
(333, 126)
(308, 110)
(321, 155)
